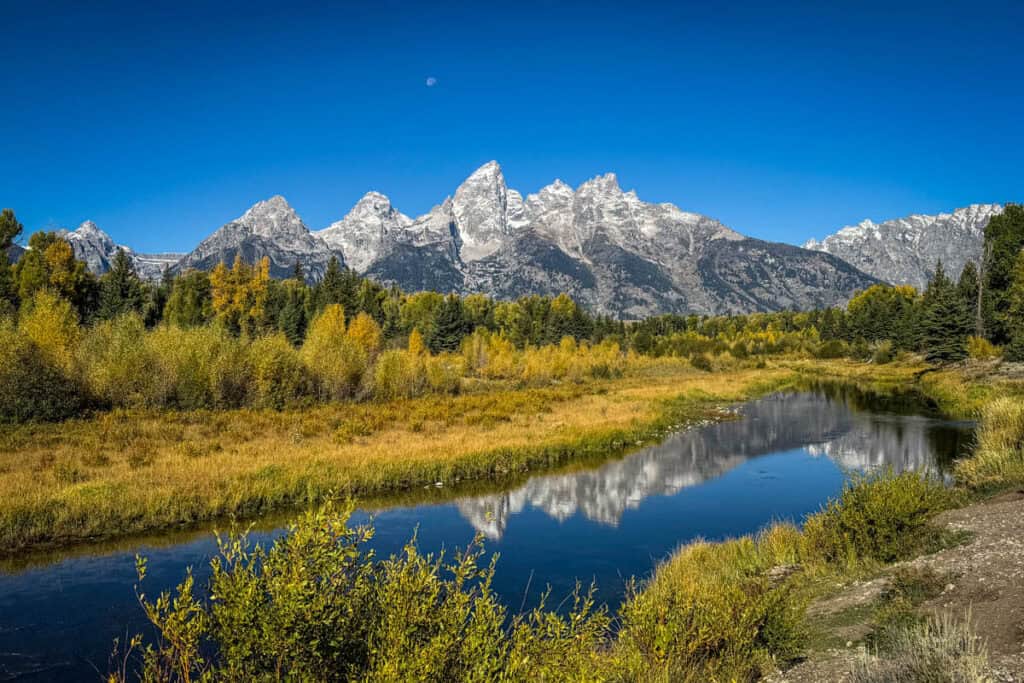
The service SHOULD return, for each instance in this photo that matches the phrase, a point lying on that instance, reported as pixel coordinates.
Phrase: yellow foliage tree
(335, 360)
(365, 332)
(239, 295)
(52, 324)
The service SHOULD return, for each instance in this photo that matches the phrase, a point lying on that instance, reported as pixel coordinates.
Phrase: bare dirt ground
(985, 578)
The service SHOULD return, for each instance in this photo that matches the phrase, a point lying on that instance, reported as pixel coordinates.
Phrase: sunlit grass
(130, 471)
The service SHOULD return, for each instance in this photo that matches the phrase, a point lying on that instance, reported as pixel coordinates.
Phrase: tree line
(235, 336)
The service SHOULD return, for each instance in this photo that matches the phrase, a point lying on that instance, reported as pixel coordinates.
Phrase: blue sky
(784, 120)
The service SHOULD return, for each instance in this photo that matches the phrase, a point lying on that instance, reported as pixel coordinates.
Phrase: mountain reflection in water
(824, 423)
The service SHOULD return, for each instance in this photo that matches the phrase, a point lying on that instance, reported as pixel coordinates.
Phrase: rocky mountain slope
(97, 249)
(269, 228)
(905, 250)
(603, 246)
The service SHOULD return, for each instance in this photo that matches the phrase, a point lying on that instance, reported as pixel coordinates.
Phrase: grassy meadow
(128, 471)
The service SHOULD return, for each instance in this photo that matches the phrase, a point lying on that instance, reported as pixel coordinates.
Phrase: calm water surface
(786, 455)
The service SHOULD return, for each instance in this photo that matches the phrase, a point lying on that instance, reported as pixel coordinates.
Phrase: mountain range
(605, 247)
(904, 251)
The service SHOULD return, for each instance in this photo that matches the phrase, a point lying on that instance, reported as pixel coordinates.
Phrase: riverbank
(127, 472)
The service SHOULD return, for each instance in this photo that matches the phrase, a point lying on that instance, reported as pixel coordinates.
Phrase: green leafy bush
(880, 517)
(834, 348)
(118, 366)
(701, 362)
(279, 376)
(32, 386)
(711, 612)
(317, 605)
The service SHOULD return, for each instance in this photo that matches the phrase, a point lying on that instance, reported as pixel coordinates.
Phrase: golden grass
(131, 471)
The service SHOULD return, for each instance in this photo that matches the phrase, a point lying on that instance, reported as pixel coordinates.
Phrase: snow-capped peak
(905, 250)
(480, 208)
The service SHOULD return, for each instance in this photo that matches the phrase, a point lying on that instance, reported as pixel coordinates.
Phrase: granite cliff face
(905, 250)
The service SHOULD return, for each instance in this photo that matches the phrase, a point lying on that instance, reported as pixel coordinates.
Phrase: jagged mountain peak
(367, 230)
(905, 250)
(480, 208)
(602, 184)
(272, 216)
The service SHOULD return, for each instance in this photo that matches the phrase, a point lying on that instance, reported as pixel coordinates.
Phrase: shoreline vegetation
(732, 610)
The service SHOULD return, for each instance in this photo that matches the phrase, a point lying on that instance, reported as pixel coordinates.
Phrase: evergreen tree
(329, 289)
(391, 307)
(292, 317)
(190, 303)
(1004, 238)
(349, 293)
(449, 326)
(968, 288)
(121, 290)
(946, 320)
(1015, 312)
(10, 228)
(297, 272)
(156, 298)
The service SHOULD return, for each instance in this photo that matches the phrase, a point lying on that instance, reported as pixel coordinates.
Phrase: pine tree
(10, 228)
(946, 320)
(121, 290)
(297, 272)
(349, 292)
(1015, 312)
(329, 289)
(968, 288)
(1004, 238)
(449, 326)
(292, 317)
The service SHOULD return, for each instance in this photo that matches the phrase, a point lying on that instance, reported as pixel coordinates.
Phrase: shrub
(335, 361)
(880, 517)
(701, 362)
(834, 348)
(979, 348)
(279, 377)
(712, 613)
(118, 365)
(998, 458)
(51, 324)
(883, 352)
(317, 605)
(444, 373)
(32, 386)
(199, 367)
(399, 374)
(939, 650)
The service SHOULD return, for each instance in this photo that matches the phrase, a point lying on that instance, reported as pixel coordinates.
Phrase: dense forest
(237, 337)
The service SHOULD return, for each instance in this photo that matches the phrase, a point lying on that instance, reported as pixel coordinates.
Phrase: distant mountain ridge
(97, 249)
(605, 247)
(905, 250)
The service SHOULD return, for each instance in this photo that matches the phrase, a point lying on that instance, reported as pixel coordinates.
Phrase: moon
(431, 81)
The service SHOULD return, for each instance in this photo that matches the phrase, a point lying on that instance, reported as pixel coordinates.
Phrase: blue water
(780, 460)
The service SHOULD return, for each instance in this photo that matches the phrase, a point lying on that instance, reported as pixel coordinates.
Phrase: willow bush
(318, 605)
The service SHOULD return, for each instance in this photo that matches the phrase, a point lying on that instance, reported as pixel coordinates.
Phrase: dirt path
(984, 575)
